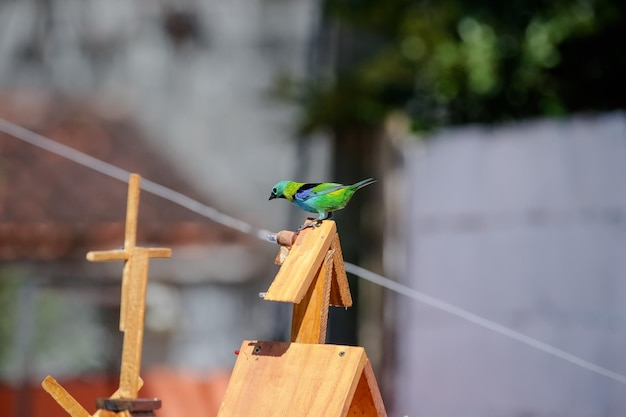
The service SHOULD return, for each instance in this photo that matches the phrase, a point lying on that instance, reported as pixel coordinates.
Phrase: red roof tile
(182, 393)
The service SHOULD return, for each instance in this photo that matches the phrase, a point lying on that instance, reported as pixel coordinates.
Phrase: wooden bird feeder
(124, 401)
(305, 377)
(302, 378)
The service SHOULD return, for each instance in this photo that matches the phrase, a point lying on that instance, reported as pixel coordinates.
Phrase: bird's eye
(274, 190)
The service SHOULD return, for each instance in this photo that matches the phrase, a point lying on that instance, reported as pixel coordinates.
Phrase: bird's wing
(317, 189)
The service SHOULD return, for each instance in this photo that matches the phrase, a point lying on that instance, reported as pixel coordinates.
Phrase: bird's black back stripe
(302, 191)
(307, 186)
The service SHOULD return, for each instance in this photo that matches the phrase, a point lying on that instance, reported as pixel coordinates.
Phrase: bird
(322, 198)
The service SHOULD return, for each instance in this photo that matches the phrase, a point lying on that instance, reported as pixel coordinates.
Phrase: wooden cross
(132, 307)
(134, 285)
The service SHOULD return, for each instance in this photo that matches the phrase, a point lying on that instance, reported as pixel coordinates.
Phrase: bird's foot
(312, 223)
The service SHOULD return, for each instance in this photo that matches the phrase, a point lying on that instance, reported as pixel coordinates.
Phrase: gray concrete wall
(525, 225)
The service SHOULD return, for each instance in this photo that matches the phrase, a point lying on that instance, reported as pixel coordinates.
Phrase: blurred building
(198, 77)
(523, 225)
(62, 311)
(181, 93)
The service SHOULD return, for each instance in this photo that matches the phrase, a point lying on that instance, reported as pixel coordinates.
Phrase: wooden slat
(108, 255)
(69, 403)
(293, 379)
(63, 398)
(124, 295)
(367, 400)
(310, 316)
(132, 211)
(159, 252)
(302, 264)
(135, 292)
(123, 254)
(340, 289)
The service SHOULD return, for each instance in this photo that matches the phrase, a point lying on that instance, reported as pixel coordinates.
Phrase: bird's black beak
(272, 196)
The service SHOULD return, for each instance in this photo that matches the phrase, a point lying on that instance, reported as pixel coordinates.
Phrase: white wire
(105, 168)
(480, 321)
(118, 173)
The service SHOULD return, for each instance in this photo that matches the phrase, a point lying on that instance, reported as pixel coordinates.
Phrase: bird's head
(278, 191)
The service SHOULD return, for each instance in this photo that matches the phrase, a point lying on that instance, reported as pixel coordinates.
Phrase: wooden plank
(367, 400)
(130, 240)
(132, 211)
(137, 282)
(310, 316)
(108, 255)
(159, 252)
(123, 254)
(63, 398)
(124, 292)
(340, 289)
(301, 265)
(292, 379)
(69, 403)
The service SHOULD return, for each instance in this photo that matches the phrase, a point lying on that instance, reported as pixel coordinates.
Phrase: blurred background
(497, 133)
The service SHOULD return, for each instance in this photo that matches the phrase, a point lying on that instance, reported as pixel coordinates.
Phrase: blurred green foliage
(43, 330)
(451, 62)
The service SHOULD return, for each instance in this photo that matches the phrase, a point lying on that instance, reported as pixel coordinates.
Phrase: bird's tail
(363, 183)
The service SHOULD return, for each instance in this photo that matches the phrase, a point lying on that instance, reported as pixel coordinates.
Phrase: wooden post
(132, 311)
(134, 285)
(310, 316)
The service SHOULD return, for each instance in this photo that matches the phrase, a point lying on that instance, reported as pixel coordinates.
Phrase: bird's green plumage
(290, 189)
(322, 198)
(325, 187)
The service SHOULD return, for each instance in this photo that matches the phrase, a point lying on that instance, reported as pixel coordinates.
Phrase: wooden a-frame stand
(124, 401)
(305, 377)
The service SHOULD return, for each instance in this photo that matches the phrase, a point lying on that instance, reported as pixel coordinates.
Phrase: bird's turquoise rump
(322, 198)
